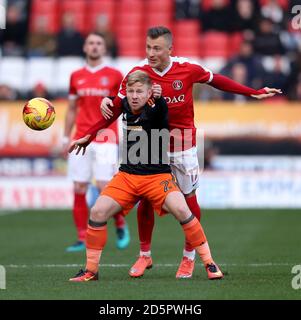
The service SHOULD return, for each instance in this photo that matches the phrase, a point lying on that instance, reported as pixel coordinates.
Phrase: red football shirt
(89, 86)
(177, 82)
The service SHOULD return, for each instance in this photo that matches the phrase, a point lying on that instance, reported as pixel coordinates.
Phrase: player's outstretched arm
(92, 132)
(269, 92)
(226, 84)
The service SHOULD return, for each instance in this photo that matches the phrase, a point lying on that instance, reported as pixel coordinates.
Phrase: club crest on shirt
(177, 84)
(104, 81)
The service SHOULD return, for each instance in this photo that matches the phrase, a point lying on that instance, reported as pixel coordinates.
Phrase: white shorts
(99, 162)
(185, 167)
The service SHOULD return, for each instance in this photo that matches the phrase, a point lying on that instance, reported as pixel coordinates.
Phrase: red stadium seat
(129, 17)
(130, 5)
(102, 5)
(44, 7)
(235, 41)
(282, 3)
(189, 46)
(183, 28)
(207, 4)
(129, 30)
(215, 44)
(158, 19)
(159, 6)
(76, 6)
(131, 47)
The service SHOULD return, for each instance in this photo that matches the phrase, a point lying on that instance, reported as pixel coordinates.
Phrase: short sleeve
(200, 74)
(72, 88)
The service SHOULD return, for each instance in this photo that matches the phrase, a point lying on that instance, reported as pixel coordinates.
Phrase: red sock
(196, 211)
(146, 220)
(80, 215)
(119, 220)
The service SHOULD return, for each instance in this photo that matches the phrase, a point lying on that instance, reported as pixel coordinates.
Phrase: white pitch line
(9, 212)
(165, 265)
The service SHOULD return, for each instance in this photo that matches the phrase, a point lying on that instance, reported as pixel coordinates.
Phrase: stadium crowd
(253, 42)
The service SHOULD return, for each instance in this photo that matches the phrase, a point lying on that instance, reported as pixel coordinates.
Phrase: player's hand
(104, 108)
(269, 92)
(157, 91)
(80, 144)
(65, 147)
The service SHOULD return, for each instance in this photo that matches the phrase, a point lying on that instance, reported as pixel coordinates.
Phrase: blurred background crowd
(253, 42)
(252, 148)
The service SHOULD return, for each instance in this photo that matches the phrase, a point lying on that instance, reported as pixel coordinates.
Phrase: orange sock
(194, 232)
(204, 253)
(95, 241)
(196, 237)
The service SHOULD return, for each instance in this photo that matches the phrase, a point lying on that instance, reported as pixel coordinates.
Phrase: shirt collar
(96, 68)
(162, 73)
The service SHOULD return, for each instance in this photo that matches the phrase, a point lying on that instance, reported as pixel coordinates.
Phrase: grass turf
(256, 249)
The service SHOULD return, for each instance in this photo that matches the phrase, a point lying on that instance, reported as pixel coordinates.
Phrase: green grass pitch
(256, 249)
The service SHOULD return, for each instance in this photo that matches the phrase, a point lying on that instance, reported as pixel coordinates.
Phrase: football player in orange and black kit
(151, 180)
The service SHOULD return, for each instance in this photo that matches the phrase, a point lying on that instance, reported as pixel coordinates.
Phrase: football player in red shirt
(176, 77)
(88, 86)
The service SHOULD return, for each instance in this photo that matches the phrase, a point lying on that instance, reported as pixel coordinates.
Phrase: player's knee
(182, 212)
(98, 214)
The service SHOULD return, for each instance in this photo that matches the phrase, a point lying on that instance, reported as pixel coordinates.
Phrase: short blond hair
(138, 76)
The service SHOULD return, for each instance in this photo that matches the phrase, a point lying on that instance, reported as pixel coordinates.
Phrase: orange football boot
(143, 262)
(185, 269)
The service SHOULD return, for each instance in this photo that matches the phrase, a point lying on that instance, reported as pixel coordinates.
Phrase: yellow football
(38, 114)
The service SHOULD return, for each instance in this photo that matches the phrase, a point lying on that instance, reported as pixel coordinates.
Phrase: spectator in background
(210, 151)
(278, 75)
(8, 93)
(217, 18)
(41, 43)
(294, 82)
(251, 62)
(272, 10)
(102, 27)
(187, 9)
(267, 40)
(245, 17)
(298, 88)
(239, 73)
(39, 90)
(69, 40)
(13, 37)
